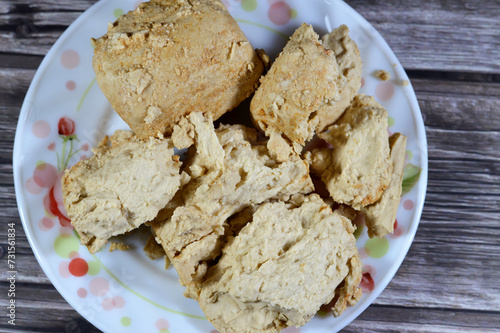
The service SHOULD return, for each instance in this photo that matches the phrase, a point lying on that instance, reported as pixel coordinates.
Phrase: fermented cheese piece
(281, 267)
(168, 58)
(350, 66)
(303, 77)
(309, 85)
(380, 216)
(357, 170)
(120, 187)
(230, 170)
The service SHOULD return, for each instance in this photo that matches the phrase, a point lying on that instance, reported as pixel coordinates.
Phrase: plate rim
(17, 158)
(421, 184)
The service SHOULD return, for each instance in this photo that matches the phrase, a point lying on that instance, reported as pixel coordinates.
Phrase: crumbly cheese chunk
(350, 67)
(309, 85)
(357, 170)
(303, 77)
(230, 170)
(168, 58)
(380, 216)
(120, 187)
(152, 249)
(281, 267)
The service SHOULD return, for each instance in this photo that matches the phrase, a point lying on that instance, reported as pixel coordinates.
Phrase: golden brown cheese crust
(113, 246)
(309, 85)
(170, 57)
(230, 170)
(350, 292)
(120, 187)
(281, 267)
(380, 216)
(382, 75)
(152, 249)
(303, 77)
(357, 170)
(350, 67)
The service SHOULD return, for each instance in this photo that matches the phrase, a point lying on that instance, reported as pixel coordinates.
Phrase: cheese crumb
(382, 75)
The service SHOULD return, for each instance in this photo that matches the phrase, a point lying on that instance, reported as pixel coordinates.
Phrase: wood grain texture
(449, 279)
(388, 319)
(43, 310)
(440, 35)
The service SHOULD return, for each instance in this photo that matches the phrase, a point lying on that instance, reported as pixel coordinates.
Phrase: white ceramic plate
(65, 114)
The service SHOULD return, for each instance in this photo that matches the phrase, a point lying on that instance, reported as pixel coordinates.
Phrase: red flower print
(52, 146)
(66, 130)
(367, 283)
(66, 126)
(53, 203)
(398, 230)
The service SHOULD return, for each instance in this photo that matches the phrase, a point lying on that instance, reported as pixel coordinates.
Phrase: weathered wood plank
(469, 144)
(32, 43)
(397, 319)
(27, 267)
(415, 32)
(466, 277)
(452, 105)
(440, 35)
(415, 52)
(12, 60)
(41, 309)
(454, 76)
(36, 295)
(39, 298)
(33, 298)
(14, 85)
(27, 6)
(24, 22)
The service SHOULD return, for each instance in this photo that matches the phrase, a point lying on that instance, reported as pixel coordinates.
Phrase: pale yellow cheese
(381, 215)
(229, 170)
(357, 170)
(120, 187)
(281, 267)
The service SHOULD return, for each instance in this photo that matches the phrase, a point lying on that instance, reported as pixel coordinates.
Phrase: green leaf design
(358, 231)
(411, 175)
(79, 106)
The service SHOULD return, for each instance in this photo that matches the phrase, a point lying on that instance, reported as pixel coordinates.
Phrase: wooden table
(450, 280)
